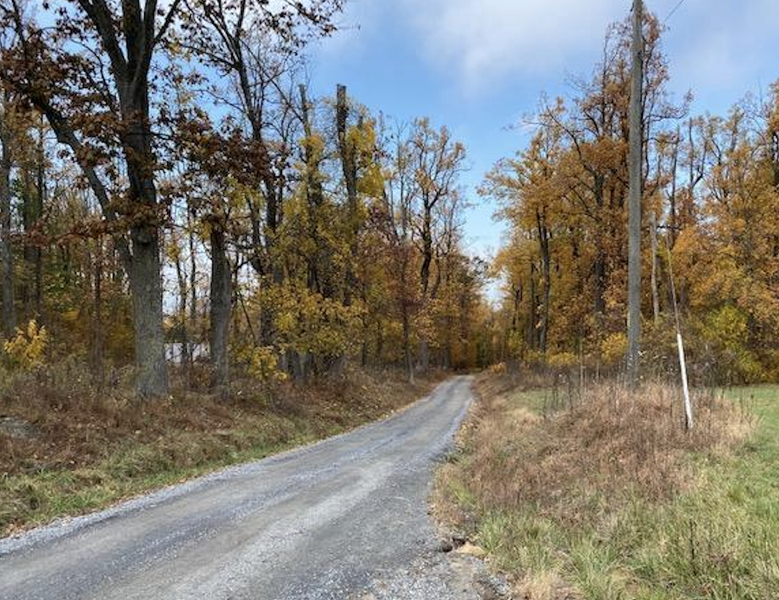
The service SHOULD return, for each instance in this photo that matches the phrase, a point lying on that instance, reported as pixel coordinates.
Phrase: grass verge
(611, 499)
(92, 449)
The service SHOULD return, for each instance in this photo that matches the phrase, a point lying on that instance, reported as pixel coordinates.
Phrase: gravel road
(344, 518)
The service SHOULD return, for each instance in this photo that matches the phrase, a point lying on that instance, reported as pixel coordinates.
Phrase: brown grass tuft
(612, 441)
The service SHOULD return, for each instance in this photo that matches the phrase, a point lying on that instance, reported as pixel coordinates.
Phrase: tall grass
(610, 498)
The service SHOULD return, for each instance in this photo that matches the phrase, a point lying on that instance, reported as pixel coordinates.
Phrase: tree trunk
(186, 355)
(319, 280)
(146, 288)
(546, 274)
(655, 291)
(349, 168)
(446, 361)
(146, 267)
(409, 359)
(530, 326)
(221, 312)
(600, 259)
(32, 209)
(379, 342)
(196, 336)
(6, 251)
(40, 199)
(96, 351)
(424, 277)
(424, 354)
(672, 210)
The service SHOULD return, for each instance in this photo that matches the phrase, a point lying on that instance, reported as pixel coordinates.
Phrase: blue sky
(479, 66)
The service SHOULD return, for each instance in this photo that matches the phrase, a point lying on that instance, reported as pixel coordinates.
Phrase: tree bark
(96, 351)
(424, 277)
(6, 251)
(654, 284)
(146, 272)
(672, 209)
(196, 334)
(407, 355)
(221, 313)
(600, 257)
(40, 199)
(546, 274)
(32, 179)
(186, 355)
(530, 326)
(349, 168)
(146, 288)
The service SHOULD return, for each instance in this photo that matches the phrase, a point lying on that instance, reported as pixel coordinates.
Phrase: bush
(613, 349)
(27, 348)
(722, 343)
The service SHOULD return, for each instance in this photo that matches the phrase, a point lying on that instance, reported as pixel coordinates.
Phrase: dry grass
(609, 496)
(611, 442)
(96, 446)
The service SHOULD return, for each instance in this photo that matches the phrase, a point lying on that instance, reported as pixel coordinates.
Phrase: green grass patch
(535, 400)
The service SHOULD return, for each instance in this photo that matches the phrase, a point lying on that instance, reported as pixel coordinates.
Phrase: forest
(625, 442)
(186, 209)
(709, 243)
(172, 189)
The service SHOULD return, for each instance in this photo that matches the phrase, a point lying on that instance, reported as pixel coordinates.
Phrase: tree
(571, 254)
(437, 161)
(394, 220)
(7, 144)
(528, 192)
(90, 76)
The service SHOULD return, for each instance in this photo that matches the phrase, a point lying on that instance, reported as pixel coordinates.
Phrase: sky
(480, 66)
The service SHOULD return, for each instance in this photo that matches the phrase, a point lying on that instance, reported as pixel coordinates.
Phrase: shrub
(498, 369)
(260, 363)
(563, 360)
(27, 348)
(613, 348)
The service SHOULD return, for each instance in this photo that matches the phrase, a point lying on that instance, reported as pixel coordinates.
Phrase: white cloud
(725, 48)
(481, 42)
(485, 40)
(713, 45)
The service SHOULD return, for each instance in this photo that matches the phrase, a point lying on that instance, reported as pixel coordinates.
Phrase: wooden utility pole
(634, 206)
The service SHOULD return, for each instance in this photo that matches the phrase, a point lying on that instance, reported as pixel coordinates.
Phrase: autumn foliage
(173, 190)
(710, 209)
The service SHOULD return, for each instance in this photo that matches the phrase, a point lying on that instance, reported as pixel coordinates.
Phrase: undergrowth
(608, 497)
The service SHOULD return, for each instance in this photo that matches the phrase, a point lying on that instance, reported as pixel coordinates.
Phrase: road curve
(325, 521)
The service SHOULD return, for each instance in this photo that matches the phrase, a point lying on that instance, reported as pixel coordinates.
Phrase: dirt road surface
(345, 518)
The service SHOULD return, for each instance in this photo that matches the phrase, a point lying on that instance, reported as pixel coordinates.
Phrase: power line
(675, 8)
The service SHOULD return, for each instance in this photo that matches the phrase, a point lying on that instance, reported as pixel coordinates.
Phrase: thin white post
(688, 419)
(685, 387)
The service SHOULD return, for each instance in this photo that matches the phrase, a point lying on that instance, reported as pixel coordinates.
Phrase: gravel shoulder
(344, 518)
